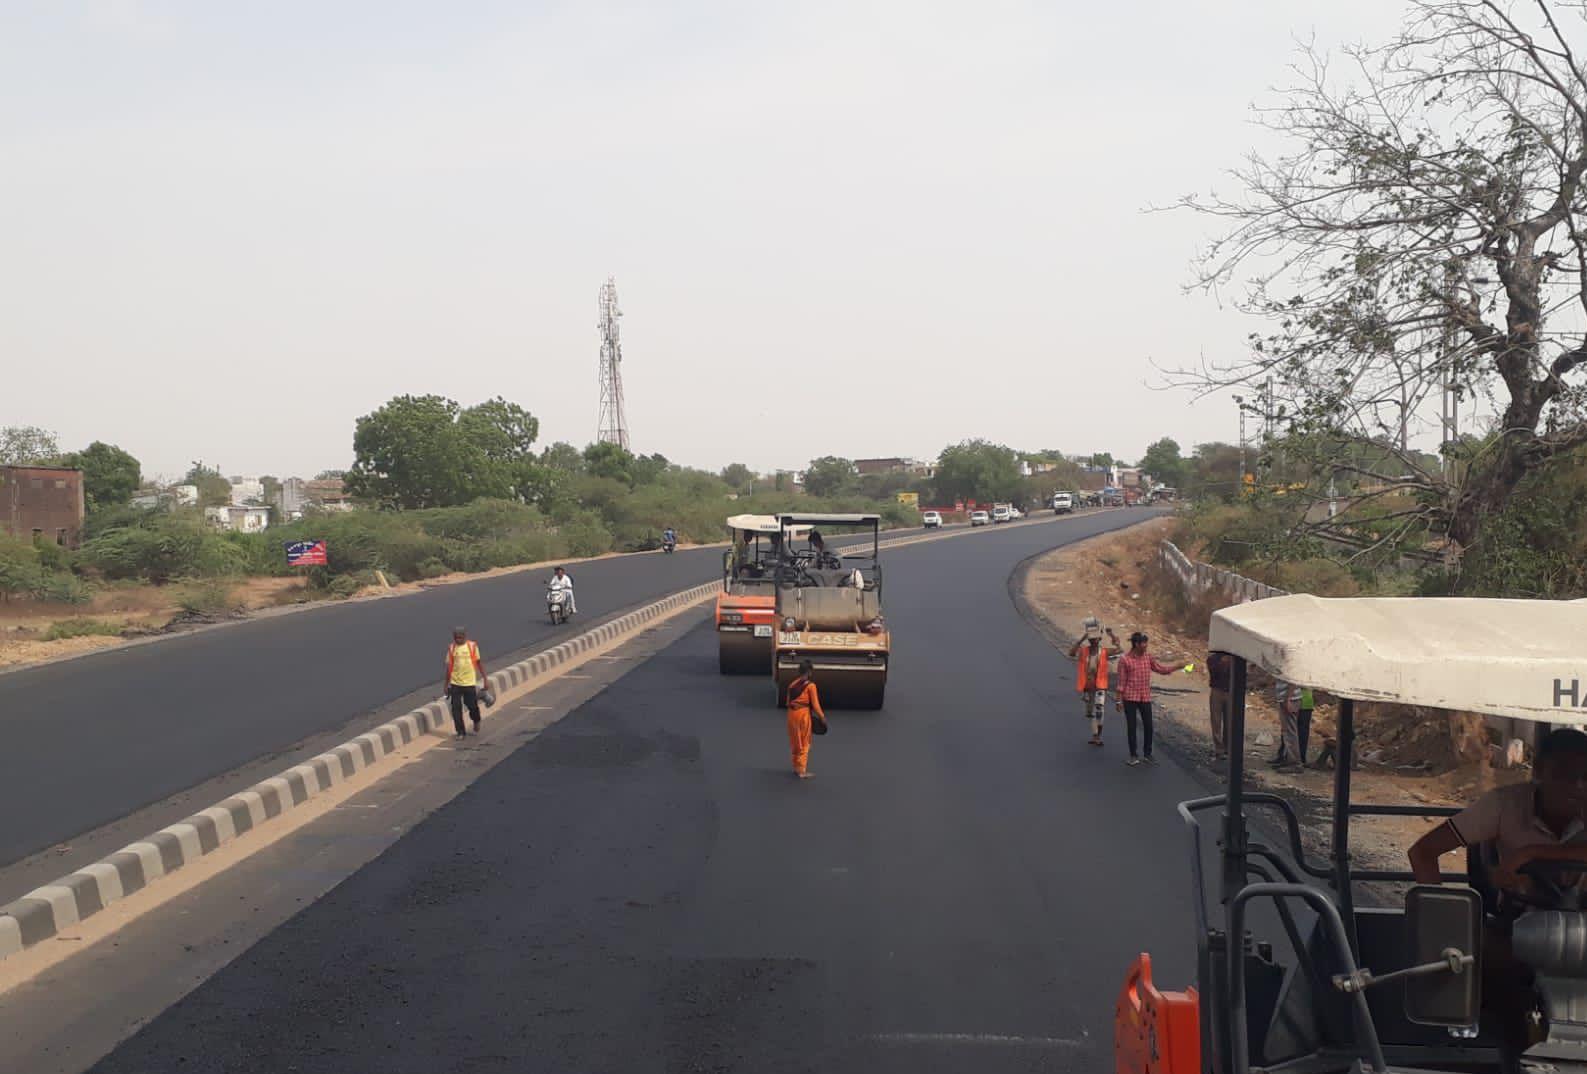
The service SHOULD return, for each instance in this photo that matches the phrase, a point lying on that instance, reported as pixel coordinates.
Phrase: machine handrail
(1328, 914)
(1291, 822)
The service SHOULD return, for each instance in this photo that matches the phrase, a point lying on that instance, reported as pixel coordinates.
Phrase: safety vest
(465, 675)
(1102, 669)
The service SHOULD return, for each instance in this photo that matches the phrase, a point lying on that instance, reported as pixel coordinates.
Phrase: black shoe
(476, 727)
(462, 734)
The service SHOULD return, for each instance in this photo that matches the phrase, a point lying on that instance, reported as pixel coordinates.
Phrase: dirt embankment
(1406, 757)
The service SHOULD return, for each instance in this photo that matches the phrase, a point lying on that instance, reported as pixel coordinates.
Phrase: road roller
(829, 609)
(746, 608)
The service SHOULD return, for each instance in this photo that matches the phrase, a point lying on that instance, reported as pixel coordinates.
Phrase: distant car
(979, 518)
(1062, 503)
(1000, 512)
(1015, 512)
(931, 519)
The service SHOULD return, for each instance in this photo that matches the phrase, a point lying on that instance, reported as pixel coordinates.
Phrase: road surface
(645, 887)
(91, 740)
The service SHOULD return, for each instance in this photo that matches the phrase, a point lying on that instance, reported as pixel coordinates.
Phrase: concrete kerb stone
(47, 911)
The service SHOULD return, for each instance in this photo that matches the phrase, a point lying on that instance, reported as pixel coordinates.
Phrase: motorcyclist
(669, 537)
(562, 582)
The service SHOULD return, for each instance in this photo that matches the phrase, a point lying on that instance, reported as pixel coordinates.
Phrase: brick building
(42, 501)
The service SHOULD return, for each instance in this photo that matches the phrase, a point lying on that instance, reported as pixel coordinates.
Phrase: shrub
(63, 589)
(19, 567)
(210, 596)
(432, 568)
(81, 628)
(345, 585)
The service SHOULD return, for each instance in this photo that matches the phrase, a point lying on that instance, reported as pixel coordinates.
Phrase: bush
(208, 597)
(63, 589)
(20, 573)
(344, 586)
(432, 568)
(164, 547)
(81, 628)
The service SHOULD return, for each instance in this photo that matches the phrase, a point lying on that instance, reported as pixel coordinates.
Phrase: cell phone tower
(613, 427)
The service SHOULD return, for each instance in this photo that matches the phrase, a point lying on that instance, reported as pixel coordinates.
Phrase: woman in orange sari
(803, 699)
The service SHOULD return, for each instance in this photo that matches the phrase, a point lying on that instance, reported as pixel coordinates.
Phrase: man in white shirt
(561, 582)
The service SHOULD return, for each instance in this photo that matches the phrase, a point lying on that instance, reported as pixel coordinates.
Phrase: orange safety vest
(1102, 669)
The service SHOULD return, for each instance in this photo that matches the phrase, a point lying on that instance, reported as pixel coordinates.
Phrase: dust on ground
(1415, 757)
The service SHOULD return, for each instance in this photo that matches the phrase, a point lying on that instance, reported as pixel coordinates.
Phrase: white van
(1062, 503)
(1001, 512)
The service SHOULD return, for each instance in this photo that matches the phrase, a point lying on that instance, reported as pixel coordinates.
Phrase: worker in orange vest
(804, 714)
(1091, 670)
(465, 675)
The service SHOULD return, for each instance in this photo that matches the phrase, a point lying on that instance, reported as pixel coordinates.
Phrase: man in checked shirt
(1135, 694)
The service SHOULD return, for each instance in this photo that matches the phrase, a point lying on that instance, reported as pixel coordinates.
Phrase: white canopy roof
(762, 524)
(1521, 658)
(753, 523)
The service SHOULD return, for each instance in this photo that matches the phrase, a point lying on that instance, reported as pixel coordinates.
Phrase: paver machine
(829, 609)
(746, 608)
(1358, 980)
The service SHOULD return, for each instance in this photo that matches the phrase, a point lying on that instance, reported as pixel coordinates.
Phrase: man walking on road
(804, 708)
(1091, 671)
(465, 673)
(1135, 694)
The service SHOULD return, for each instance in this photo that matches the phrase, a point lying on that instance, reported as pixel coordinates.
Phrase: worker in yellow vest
(465, 674)
(1091, 670)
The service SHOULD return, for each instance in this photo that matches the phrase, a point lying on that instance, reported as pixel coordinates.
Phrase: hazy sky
(227, 230)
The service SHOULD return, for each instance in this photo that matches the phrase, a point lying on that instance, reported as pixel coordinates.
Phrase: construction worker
(1091, 670)
(465, 673)
(804, 706)
(1135, 694)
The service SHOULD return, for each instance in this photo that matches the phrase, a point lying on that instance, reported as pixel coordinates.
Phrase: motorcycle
(557, 605)
(669, 544)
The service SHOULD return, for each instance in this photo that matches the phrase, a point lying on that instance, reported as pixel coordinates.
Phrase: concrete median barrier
(46, 911)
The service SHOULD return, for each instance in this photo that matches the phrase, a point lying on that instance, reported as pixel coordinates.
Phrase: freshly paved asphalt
(93, 739)
(644, 887)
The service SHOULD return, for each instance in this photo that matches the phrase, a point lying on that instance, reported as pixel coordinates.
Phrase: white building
(238, 519)
(186, 495)
(293, 497)
(244, 489)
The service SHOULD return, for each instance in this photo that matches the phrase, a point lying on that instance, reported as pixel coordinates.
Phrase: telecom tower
(613, 428)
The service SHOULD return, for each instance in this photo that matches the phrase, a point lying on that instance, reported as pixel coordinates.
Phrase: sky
(853, 228)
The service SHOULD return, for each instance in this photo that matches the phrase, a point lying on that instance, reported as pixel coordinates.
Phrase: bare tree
(1424, 226)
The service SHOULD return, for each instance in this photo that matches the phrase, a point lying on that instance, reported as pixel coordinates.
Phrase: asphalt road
(645, 887)
(92, 739)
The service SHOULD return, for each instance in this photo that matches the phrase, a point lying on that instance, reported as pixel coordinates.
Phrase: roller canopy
(1520, 658)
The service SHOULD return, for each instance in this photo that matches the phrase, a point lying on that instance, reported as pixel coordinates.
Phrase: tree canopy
(830, 476)
(21, 445)
(213, 489)
(427, 451)
(1163, 461)
(977, 470)
(110, 475)
(1423, 225)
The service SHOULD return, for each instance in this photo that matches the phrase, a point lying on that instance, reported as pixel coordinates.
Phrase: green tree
(426, 451)
(564, 457)
(1213, 473)
(1103, 459)
(737, 476)
(331, 475)
(610, 461)
(649, 468)
(23, 445)
(977, 470)
(830, 476)
(19, 567)
(1163, 461)
(213, 489)
(110, 475)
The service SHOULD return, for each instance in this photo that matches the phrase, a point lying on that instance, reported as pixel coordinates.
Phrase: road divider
(47, 911)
